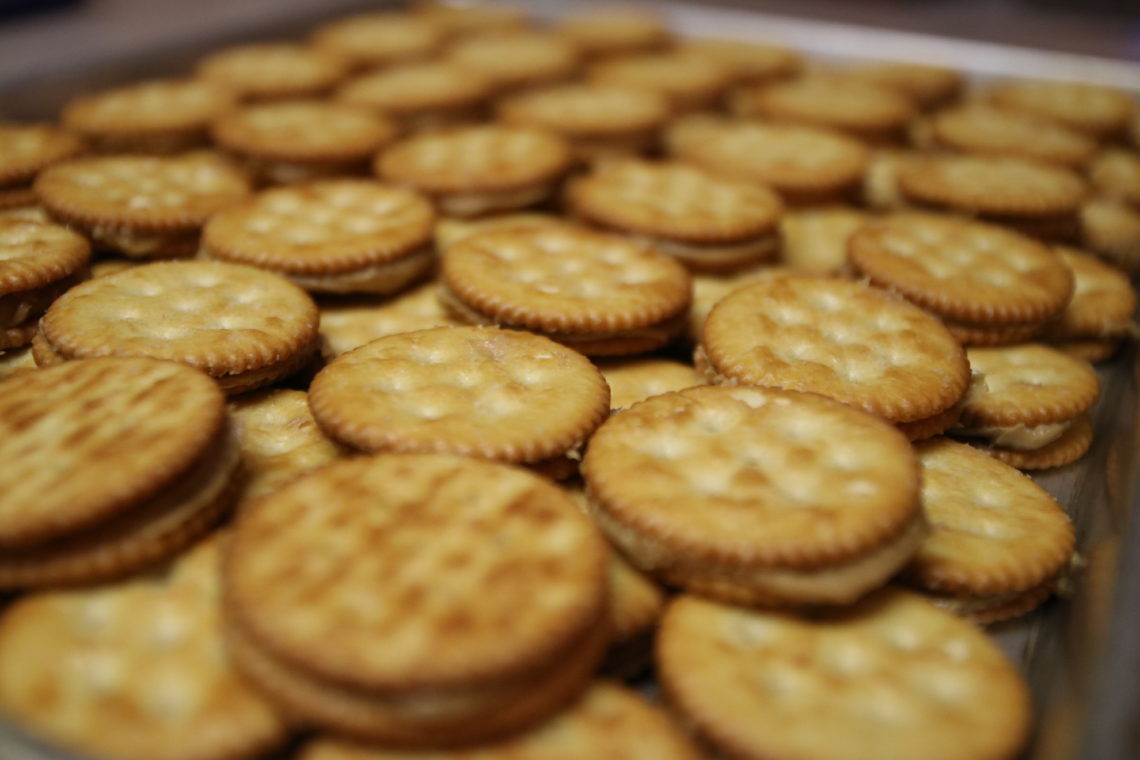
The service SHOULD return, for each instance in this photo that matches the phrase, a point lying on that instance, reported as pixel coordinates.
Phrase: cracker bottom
(928, 427)
(1067, 449)
(427, 718)
(985, 610)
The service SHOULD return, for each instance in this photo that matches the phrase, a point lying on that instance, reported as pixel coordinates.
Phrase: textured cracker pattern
(221, 318)
(33, 255)
(751, 477)
(609, 721)
(688, 82)
(566, 279)
(750, 62)
(961, 270)
(1098, 111)
(994, 531)
(841, 339)
(369, 39)
(674, 201)
(999, 186)
(891, 677)
(27, 148)
(416, 88)
(843, 103)
(588, 110)
(986, 130)
(633, 380)
(149, 108)
(321, 228)
(272, 69)
(513, 59)
(64, 427)
(484, 392)
(350, 323)
(1103, 300)
(1030, 384)
(304, 131)
(467, 570)
(133, 670)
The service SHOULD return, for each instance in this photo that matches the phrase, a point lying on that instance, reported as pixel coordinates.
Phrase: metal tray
(1080, 652)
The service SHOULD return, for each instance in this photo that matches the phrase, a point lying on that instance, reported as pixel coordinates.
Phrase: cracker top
(514, 58)
(962, 270)
(273, 69)
(321, 227)
(675, 201)
(350, 323)
(994, 530)
(709, 289)
(924, 84)
(449, 230)
(748, 61)
(33, 254)
(1103, 299)
(891, 676)
(221, 318)
(159, 193)
(145, 108)
(1098, 111)
(413, 88)
(587, 110)
(63, 428)
(372, 39)
(25, 149)
(609, 720)
(992, 185)
(473, 159)
(842, 103)
(612, 31)
(496, 394)
(792, 159)
(305, 130)
(1030, 384)
(566, 279)
(686, 80)
(1116, 172)
(988, 130)
(144, 669)
(468, 571)
(753, 476)
(840, 339)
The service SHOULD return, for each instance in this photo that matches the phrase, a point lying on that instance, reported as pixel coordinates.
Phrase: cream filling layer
(1017, 437)
(700, 254)
(382, 277)
(473, 204)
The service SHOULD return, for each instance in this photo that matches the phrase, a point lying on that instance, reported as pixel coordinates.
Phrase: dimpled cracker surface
(134, 670)
(480, 158)
(279, 439)
(148, 109)
(416, 88)
(1098, 111)
(841, 339)
(587, 110)
(466, 570)
(515, 58)
(751, 477)
(1029, 384)
(891, 678)
(63, 428)
(962, 270)
(328, 227)
(221, 318)
(371, 39)
(609, 721)
(987, 130)
(674, 201)
(272, 69)
(1103, 299)
(688, 82)
(304, 130)
(565, 279)
(159, 193)
(497, 394)
(993, 185)
(993, 530)
(349, 323)
(33, 255)
(849, 105)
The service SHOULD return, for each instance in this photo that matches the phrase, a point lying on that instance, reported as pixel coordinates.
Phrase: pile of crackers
(402, 390)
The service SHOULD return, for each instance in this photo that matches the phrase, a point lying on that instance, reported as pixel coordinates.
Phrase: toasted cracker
(1112, 229)
(380, 38)
(19, 335)
(803, 164)
(14, 361)
(762, 491)
(433, 93)
(608, 720)
(993, 530)
(867, 111)
(33, 256)
(503, 526)
(969, 334)
(1097, 111)
(1103, 300)
(928, 427)
(350, 323)
(340, 235)
(25, 149)
(709, 289)
(689, 83)
(887, 677)
(143, 665)
(815, 239)
(926, 85)
(1007, 187)
(516, 59)
(841, 339)
(450, 230)
(674, 201)
(986, 130)
(265, 70)
(279, 439)
(159, 115)
(457, 19)
(1116, 173)
(240, 325)
(570, 283)
(483, 392)
(880, 187)
(1065, 450)
(961, 270)
(633, 380)
(1030, 385)
(602, 33)
(750, 62)
(591, 115)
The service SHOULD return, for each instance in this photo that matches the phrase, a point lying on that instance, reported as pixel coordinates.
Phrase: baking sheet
(1081, 654)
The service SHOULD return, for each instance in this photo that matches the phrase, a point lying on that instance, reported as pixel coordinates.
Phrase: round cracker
(1030, 384)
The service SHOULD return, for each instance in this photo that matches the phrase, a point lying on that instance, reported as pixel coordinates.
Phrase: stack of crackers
(398, 390)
